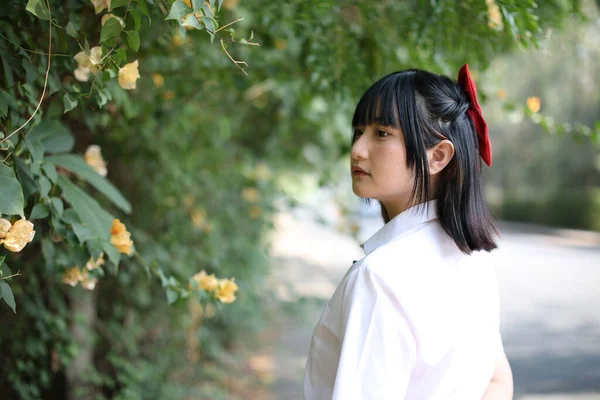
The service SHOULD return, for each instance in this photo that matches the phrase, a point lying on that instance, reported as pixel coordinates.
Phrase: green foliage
(191, 156)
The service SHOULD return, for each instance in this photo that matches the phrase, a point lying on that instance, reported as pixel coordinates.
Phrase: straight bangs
(380, 103)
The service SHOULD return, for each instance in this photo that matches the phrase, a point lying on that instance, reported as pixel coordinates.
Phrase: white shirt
(415, 319)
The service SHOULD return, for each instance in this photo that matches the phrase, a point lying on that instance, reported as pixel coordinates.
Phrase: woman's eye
(357, 133)
(382, 134)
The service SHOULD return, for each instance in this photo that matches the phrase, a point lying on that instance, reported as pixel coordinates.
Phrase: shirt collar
(400, 224)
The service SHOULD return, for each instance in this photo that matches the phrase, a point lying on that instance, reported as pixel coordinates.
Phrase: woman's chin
(360, 192)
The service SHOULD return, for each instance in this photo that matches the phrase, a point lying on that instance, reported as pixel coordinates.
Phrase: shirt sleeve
(378, 348)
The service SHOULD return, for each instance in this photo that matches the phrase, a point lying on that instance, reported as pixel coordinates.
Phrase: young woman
(418, 317)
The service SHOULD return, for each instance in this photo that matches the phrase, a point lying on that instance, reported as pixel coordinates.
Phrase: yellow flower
(255, 212)
(92, 265)
(262, 172)
(87, 282)
(280, 44)
(205, 281)
(128, 75)
(87, 64)
(226, 291)
(100, 5)
(82, 74)
(106, 17)
(168, 95)
(199, 218)
(159, 80)
(120, 238)
(534, 104)
(72, 276)
(93, 157)
(231, 4)
(177, 40)
(494, 16)
(4, 227)
(250, 194)
(18, 236)
(501, 94)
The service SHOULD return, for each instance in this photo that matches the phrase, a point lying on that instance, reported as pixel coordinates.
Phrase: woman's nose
(359, 148)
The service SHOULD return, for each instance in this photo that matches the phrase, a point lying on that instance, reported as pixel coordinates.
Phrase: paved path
(550, 294)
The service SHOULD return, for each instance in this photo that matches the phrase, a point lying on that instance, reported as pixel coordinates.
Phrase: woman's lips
(358, 171)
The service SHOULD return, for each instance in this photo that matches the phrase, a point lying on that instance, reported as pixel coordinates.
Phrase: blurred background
(218, 132)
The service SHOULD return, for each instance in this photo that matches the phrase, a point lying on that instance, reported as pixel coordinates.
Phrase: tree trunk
(83, 310)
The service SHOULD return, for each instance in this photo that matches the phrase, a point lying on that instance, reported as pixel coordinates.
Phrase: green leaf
(39, 9)
(78, 166)
(118, 3)
(39, 211)
(209, 23)
(82, 232)
(8, 296)
(133, 39)
(172, 296)
(31, 72)
(91, 214)
(45, 186)
(54, 136)
(71, 30)
(110, 31)
(50, 171)
(178, 10)
(48, 250)
(25, 177)
(112, 252)
(69, 216)
(3, 105)
(58, 205)
(220, 4)
(206, 10)
(137, 19)
(144, 8)
(11, 195)
(191, 20)
(69, 102)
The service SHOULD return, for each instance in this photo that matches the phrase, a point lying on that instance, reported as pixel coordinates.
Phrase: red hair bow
(468, 84)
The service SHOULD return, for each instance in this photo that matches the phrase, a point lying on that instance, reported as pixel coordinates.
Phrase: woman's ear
(439, 156)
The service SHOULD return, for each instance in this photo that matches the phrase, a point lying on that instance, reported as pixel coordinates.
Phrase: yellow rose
(494, 16)
(262, 172)
(106, 17)
(100, 5)
(128, 75)
(231, 4)
(93, 158)
(87, 282)
(205, 281)
(199, 217)
(255, 212)
(82, 74)
(159, 80)
(168, 95)
(251, 195)
(120, 238)
(92, 265)
(226, 291)
(4, 227)
(72, 276)
(87, 64)
(18, 235)
(534, 104)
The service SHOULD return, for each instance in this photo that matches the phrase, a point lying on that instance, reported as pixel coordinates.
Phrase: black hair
(429, 108)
